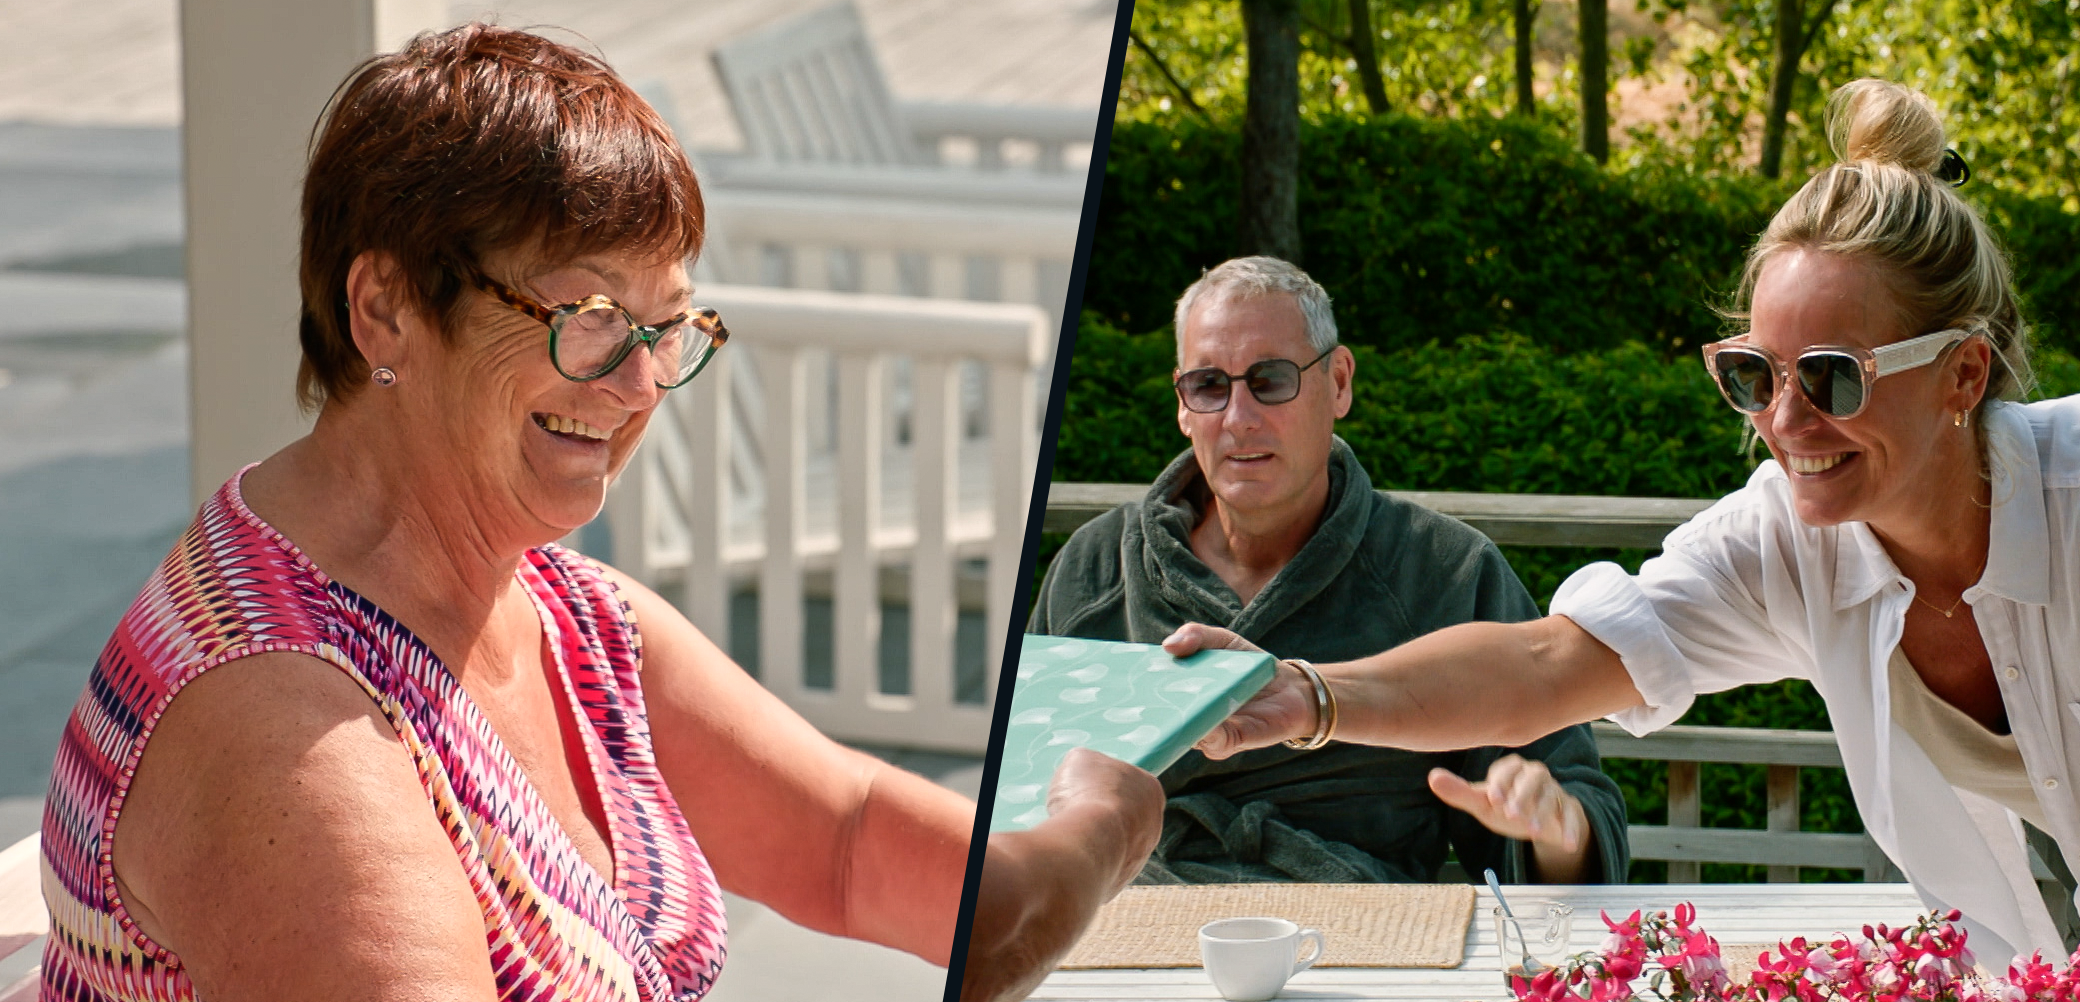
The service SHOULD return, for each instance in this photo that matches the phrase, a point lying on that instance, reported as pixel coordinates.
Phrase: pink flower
(1934, 971)
(1623, 967)
(1926, 961)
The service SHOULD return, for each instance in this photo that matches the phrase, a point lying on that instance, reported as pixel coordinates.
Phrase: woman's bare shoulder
(276, 816)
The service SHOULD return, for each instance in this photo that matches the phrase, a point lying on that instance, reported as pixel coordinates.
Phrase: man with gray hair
(1269, 526)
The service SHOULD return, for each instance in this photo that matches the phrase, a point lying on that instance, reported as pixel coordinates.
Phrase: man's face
(1258, 457)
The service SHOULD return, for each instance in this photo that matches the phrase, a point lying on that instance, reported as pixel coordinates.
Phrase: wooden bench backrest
(1781, 847)
(810, 90)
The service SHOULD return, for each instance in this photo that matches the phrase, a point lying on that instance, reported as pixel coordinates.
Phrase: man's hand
(1520, 799)
(1284, 708)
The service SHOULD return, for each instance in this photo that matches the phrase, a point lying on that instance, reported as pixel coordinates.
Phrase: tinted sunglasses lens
(1834, 383)
(1745, 378)
(1203, 390)
(1274, 382)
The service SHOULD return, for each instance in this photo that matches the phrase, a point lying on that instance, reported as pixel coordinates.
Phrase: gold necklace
(1947, 613)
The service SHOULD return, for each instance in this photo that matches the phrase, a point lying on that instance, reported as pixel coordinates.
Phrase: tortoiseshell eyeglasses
(589, 338)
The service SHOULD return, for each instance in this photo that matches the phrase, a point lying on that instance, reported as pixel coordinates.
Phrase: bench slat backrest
(809, 90)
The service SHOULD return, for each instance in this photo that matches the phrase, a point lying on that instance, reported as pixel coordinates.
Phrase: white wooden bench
(810, 91)
(842, 187)
(23, 919)
(1508, 519)
(1782, 847)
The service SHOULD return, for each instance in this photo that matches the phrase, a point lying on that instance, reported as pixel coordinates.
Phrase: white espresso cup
(1249, 959)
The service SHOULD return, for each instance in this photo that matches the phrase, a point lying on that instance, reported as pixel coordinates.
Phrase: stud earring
(1963, 419)
(384, 376)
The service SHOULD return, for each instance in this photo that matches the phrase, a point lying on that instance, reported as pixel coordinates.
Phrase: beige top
(1964, 751)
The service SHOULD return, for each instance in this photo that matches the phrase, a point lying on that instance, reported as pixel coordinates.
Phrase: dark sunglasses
(1835, 380)
(1272, 381)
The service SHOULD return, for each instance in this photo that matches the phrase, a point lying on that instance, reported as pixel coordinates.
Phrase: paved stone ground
(93, 390)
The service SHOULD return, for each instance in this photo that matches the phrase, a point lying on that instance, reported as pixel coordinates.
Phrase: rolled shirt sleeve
(1693, 620)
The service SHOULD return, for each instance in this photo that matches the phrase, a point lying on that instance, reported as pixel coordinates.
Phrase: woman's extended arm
(1040, 888)
(1464, 686)
(832, 838)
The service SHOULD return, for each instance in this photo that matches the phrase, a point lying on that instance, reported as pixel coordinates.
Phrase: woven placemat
(1366, 925)
(1740, 959)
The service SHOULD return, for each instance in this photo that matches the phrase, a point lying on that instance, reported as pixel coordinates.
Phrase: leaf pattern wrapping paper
(1130, 701)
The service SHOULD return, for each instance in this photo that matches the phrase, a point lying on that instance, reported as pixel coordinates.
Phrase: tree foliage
(2005, 73)
(1425, 229)
(1438, 57)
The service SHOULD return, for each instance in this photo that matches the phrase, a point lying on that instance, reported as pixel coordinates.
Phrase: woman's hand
(1520, 799)
(1284, 708)
(1129, 799)
(1040, 888)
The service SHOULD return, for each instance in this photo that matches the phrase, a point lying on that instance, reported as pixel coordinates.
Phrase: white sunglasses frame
(1875, 363)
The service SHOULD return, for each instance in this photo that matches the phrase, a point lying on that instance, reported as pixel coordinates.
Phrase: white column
(254, 76)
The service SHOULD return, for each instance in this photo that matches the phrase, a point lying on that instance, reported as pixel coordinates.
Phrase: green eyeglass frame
(701, 319)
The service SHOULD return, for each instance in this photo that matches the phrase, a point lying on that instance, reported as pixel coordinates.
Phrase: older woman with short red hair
(368, 733)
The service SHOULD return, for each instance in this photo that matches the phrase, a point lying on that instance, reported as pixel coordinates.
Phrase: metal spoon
(1530, 966)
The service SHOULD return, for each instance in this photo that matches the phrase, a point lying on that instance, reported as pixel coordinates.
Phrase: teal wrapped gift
(1130, 701)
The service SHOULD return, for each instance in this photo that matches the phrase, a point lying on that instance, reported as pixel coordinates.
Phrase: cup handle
(1320, 946)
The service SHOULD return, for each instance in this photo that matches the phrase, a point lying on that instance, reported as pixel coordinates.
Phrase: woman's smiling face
(1886, 461)
(542, 446)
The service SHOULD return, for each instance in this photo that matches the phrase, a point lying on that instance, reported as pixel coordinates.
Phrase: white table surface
(1731, 913)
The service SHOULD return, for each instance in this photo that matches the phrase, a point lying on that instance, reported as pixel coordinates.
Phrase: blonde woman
(1910, 548)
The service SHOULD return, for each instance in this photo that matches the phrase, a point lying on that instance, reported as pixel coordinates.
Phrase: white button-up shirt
(1745, 593)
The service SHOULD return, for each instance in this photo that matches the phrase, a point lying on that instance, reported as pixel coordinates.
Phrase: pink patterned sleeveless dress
(553, 926)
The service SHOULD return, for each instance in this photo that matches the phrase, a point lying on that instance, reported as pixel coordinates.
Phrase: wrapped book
(1130, 701)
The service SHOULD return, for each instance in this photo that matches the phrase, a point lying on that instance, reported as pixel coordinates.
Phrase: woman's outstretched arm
(1464, 686)
(1041, 888)
(832, 838)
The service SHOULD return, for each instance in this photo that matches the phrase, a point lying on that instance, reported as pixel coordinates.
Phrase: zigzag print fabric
(555, 928)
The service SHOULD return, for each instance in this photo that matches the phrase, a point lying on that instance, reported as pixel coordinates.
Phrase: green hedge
(1496, 413)
(1503, 414)
(1427, 229)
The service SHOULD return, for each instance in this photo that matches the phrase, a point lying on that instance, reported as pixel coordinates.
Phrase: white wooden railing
(888, 321)
(837, 511)
(1003, 137)
(948, 246)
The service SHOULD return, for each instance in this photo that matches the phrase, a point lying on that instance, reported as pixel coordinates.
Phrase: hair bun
(1878, 121)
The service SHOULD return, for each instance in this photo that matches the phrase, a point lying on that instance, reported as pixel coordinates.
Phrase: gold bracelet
(1324, 709)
